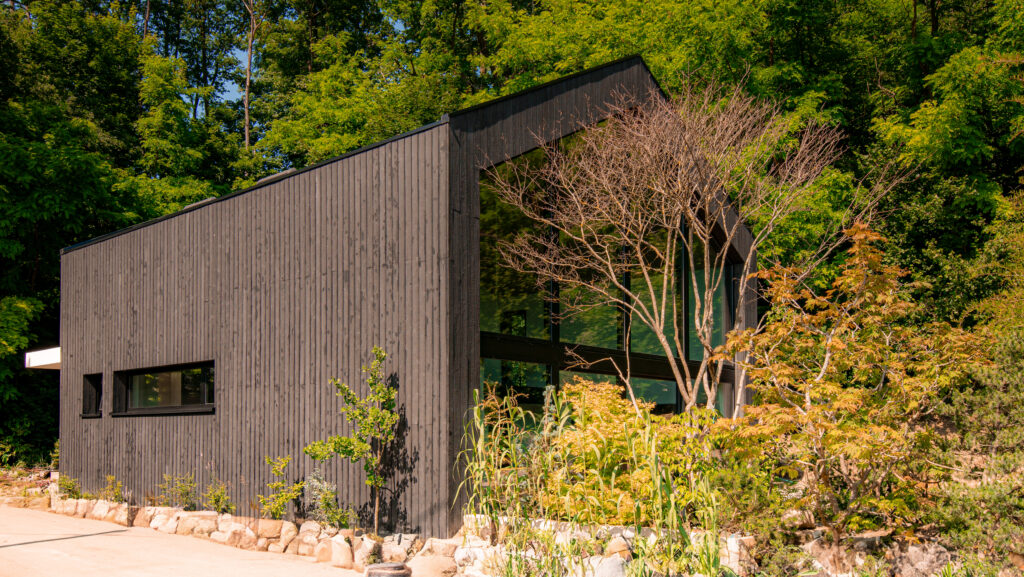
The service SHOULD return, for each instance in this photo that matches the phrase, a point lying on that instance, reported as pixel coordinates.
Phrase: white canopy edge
(44, 359)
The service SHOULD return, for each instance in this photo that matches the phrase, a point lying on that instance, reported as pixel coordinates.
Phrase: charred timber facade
(276, 289)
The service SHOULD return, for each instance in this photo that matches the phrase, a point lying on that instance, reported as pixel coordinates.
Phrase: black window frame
(92, 396)
(122, 384)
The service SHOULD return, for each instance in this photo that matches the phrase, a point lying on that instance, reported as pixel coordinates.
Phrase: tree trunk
(248, 71)
(145, 21)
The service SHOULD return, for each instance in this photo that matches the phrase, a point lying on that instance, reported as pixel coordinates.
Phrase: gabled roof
(513, 100)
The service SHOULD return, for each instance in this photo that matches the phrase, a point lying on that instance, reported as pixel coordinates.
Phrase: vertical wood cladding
(283, 287)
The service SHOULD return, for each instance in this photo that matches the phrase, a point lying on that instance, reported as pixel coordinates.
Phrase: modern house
(204, 341)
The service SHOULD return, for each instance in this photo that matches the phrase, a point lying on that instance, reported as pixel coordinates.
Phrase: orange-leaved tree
(844, 382)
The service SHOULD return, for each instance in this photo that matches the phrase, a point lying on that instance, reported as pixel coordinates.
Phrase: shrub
(275, 504)
(321, 500)
(178, 491)
(216, 498)
(374, 421)
(69, 487)
(113, 491)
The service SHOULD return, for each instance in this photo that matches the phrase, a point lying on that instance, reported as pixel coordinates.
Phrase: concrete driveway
(34, 543)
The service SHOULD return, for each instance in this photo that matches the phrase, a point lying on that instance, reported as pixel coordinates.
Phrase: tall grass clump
(592, 457)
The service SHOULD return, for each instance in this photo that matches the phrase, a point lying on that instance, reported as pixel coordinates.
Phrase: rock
(40, 503)
(328, 532)
(614, 566)
(307, 542)
(276, 548)
(441, 547)
(269, 528)
(118, 514)
(310, 527)
(292, 548)
(262, 544)
(322, 551)
(736, 555)
(1009, 572)
(341, 552)
(479, 525)
(142, 517)
(99, 510)
(288, 532)
(619, 547)
(1017, 559)
(433, 566)
(393, 552)
(797, 519)
(224, 522)
(82, 507)
(219, 536)
(366, 553)
(200, 523)
(388, 570)
(919, 560)
(246, 538)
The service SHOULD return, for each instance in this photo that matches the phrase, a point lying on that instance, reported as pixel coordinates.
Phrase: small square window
(92, 394)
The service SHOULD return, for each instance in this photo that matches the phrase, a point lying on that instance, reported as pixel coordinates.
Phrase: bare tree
(664, 182)
(255, 20)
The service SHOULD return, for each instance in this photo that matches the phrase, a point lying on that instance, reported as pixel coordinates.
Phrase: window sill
(91, 415)
(152, 411)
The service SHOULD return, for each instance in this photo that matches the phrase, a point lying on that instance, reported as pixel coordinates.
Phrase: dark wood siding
(487, 135)
(283, 287)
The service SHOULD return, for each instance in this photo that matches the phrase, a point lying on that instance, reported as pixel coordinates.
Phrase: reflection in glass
(192, 386)
(511, 303)
(643, 339)
(661, 393)
(527, 380)
(596, 326)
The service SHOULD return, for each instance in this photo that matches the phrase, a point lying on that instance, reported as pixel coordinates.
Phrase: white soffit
(44, 359)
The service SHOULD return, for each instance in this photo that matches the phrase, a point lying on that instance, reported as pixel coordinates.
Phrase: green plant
(375, 420)
(69, 487)
(178, 491)
(216, 498)
(322, 506)
(113, 491)
(55, 455)
(275, 504)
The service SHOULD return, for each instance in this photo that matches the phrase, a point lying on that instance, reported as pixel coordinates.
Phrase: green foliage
(981, 518)
(374, 418)
(844, 384)
(113, 491)
(216, 497)
(321, 501)
(274, 505)
(178, 491)
(593, 458)
(69, 487)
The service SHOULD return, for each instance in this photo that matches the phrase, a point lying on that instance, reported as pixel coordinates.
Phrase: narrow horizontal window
(178, 389)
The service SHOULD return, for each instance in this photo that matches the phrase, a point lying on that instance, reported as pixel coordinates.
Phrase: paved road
(37, 543)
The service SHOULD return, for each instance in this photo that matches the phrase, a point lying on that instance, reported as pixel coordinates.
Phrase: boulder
(220, 537)
(614, 566)
(262, 544)
(919, 559)
(433, 566)
(99, 510)
(118, 514)
(735, 554)
(199, 523)
(310, 527)
(322, 551)
(288, 532)
(143, 516)
(478, 525)
(276, 547)
(269, 528)
(244, 538)
(393, 552)
(341, 552)
(618, 547)
(366, 553)
(82, 507)
(224, 522)
(441, 547)
(292, 548)
(307, 542)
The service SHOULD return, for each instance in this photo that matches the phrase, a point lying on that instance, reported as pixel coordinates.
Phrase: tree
(664, 182)
(844, 381)
(374, 419)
